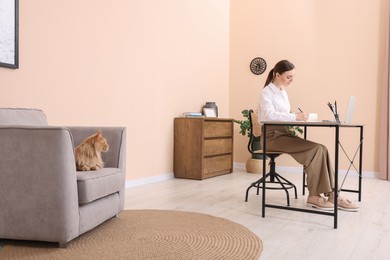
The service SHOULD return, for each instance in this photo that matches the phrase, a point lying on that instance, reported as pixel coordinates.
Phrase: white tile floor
(285, 234)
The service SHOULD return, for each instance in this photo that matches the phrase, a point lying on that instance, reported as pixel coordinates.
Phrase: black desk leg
(264, 168)
(360, 163)
(336, 175)
(303, 171)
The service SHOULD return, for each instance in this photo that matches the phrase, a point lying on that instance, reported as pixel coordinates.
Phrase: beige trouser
(313, 156)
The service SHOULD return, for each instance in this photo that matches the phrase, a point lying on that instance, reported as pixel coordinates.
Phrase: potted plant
(245, 131)
(252, 164)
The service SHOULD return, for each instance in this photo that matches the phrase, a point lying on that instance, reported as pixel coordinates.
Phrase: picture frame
(209, 112)
(9, 34)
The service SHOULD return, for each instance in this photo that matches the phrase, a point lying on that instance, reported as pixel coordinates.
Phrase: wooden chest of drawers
(203, 147)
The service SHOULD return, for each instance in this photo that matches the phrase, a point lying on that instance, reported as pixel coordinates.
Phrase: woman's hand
(302, 116)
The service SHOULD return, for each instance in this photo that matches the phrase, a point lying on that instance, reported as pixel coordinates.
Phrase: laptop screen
(350, 109)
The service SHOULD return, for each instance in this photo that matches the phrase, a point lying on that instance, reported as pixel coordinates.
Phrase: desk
(305, 125)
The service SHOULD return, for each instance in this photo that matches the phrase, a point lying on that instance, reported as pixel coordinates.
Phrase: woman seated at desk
(274, 105)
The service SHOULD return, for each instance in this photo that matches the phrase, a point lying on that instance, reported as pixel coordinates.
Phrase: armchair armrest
(38, 187)
(116, 139)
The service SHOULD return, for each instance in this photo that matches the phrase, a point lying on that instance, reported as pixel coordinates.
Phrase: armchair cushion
(93, 185)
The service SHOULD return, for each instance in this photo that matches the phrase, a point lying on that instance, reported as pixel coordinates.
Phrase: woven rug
(150, 234)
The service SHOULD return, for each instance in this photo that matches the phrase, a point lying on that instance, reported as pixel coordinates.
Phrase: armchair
(42, 196)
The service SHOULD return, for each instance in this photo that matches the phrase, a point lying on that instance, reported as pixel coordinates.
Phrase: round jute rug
(150, 234)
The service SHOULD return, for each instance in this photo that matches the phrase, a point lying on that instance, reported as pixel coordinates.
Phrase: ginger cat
(88, 153)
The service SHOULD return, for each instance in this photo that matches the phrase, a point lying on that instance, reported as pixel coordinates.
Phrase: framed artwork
(9, 33)
(209, 112)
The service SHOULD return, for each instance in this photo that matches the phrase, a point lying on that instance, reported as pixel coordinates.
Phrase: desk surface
(311, 123)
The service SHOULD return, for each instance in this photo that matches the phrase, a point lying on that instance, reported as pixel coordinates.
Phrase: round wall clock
(258, 66)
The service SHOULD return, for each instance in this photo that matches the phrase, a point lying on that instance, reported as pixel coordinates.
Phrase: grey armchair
(42, 196)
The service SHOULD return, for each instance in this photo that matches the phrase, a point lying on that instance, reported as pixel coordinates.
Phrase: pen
(330, 106)
(300, 110)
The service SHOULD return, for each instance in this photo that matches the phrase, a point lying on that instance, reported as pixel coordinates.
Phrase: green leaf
(294, 130)
(244, 124)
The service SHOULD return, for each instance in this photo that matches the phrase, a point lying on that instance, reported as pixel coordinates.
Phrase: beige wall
(337, 48)
(134, 63)
(140, 63)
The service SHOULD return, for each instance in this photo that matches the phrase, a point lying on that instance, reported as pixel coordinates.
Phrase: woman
(275, 106)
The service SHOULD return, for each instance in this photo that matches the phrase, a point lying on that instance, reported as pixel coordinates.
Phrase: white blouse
(274, 105)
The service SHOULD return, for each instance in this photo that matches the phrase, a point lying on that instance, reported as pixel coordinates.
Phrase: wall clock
(258, 66)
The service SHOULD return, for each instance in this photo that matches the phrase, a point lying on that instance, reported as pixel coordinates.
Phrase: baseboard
(149, 180)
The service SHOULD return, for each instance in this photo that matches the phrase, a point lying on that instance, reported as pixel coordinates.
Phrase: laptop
(350, 109)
